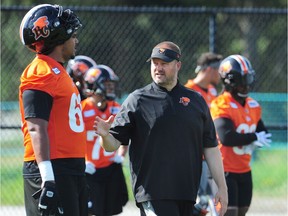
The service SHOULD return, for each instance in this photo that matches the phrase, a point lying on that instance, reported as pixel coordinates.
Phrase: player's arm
(107, 141)
(261, 126)
(228, 135)
(37, 107)
(214, 162)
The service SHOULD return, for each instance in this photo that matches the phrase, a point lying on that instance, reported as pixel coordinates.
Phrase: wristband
(46, 171)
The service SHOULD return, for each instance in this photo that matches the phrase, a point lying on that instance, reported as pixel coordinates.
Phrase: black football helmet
(46, 26)
(96, 79)
(78, 66)
(237, 74)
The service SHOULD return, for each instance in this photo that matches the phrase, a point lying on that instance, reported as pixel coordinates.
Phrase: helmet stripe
(242, 62)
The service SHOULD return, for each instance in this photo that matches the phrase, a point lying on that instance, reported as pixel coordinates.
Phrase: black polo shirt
(167, 131)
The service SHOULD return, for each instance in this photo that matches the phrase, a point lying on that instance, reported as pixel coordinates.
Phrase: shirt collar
(160, 88)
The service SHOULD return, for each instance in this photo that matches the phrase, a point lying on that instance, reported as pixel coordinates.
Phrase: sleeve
(37, 104)
(228, 135)
(39, 77)
(261, 126)
(209, 137)
(123, 123)
(219, 110)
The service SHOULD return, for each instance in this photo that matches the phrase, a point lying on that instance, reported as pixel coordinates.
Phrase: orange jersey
(208, 96)
(66, 127)
(237, 159)
(95, 153)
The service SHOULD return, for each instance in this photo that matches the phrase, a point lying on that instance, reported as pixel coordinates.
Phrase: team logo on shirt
(40, 28)
(184, 100)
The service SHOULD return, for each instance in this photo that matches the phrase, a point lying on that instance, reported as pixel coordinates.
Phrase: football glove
(263, 139)
(49, 201)
(117, 159)
(90, 168)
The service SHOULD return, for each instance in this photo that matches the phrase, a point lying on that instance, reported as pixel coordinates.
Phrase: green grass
(269, 169)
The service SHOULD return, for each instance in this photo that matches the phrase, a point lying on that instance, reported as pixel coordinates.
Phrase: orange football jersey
(237, 159)
(208, 96)
(66, 128)
(95, 153)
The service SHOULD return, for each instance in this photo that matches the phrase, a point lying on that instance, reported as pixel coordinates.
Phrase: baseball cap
(164, 54)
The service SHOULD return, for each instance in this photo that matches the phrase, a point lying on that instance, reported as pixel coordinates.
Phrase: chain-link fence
(122, 38)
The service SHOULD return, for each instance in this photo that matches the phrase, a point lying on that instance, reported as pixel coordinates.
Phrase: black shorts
(72, 190)
(239, 189)
(167, 208)
(107, 190)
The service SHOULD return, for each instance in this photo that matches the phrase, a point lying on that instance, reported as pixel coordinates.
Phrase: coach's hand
(49, 201)
(263, 139)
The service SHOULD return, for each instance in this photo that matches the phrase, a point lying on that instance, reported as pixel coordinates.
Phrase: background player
(52, 123)
(207, 76)
(77, 68)
(108, 191)
(205, 83)
(240, 130)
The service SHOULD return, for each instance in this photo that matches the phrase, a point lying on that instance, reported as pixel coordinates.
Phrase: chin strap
(242, 95)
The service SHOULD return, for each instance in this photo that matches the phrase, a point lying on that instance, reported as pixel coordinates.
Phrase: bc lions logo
(184, 100)
(225, 68)
(40, 28)
(79, 67)
(92, 75)
(161, 50)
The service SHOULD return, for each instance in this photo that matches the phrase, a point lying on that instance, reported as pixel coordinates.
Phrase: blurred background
(122, 33)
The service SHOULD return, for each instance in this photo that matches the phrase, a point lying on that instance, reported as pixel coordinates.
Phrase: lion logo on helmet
(225, 68)
(40, 28)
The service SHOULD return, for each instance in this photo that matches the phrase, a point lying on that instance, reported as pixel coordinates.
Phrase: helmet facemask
(103, 81)
(239, 85)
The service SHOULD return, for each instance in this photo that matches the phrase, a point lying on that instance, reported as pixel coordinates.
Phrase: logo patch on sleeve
(253, 104)
(233, 105)
(89, 113)
(56, 70)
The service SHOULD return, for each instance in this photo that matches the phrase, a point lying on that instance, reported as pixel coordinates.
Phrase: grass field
(269, 169)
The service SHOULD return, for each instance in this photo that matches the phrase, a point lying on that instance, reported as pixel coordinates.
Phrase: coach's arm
(107, 141)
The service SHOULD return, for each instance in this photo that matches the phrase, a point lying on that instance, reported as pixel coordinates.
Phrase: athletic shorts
(239, 189)
(72, 190)
(107, 190)
(166, 208)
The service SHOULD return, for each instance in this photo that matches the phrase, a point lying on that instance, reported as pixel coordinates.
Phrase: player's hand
(101, 126)
(90, 168)
(49, 201)
(117, 159)
(263, 139)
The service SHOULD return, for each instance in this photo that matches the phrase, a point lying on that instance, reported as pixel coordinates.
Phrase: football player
(240, 130)
(77, 68)
(52, 123)
(108, 190)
